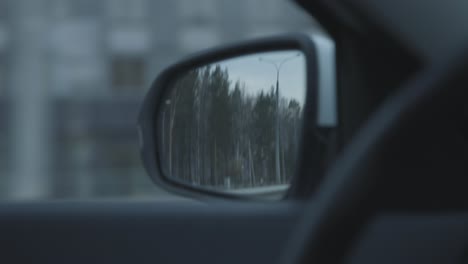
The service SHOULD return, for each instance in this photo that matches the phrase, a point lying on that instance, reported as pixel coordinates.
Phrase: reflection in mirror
(233, 126)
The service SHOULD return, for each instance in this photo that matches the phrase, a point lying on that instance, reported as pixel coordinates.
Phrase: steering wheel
(382, 166)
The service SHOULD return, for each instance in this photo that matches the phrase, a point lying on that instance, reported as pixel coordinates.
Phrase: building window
(195, 38)
(127, 9)
(4, 10)
(4, 74)
(128, 73)
(75, 8)
(3, 82)
(264, 10)
(82, 8)
(201, 10)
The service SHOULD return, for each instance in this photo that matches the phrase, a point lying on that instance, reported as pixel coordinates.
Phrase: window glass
(76, 72)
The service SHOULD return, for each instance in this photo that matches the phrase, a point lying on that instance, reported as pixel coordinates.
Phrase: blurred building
(73, 73)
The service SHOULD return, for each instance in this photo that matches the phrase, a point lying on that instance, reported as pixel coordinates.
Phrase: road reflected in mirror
(234, 126)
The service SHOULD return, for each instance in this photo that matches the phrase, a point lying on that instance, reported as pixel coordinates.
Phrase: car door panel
(145, 232)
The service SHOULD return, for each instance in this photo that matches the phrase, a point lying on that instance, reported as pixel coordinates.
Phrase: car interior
(391, 190)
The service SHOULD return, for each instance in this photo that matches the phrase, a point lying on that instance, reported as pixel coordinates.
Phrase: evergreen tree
(218, 135)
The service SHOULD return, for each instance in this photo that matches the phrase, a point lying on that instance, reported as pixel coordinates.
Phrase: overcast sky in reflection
(260, 75)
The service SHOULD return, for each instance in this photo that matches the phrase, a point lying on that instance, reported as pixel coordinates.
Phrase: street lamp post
(277, 65)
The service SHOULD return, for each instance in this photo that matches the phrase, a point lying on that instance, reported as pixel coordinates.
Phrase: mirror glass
(234, 126)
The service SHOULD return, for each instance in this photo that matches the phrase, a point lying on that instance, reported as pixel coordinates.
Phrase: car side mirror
(235, 122)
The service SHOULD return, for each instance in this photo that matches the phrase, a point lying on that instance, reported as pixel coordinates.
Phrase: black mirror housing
(308, 145)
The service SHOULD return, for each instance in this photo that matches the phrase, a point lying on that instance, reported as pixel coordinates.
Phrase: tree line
(217, 134)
